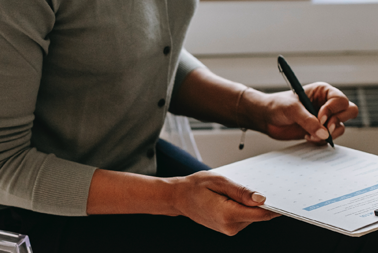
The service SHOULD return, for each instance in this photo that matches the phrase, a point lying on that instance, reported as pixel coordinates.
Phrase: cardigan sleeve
(187, 63)
(31, 179)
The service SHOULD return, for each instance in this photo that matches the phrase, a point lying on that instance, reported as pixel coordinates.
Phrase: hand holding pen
(315, 112)
(297, 88)
(290, 77)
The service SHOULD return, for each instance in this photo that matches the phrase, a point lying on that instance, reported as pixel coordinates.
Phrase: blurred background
(335, 41)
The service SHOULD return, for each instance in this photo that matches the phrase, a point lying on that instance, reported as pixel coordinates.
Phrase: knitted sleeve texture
(28, 178)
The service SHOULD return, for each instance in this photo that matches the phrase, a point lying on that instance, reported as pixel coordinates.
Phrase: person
(85, 87)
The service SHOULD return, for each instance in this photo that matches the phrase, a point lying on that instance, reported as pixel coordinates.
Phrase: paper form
(336, 187)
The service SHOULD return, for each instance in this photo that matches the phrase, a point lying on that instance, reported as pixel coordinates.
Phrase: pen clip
(284, 77)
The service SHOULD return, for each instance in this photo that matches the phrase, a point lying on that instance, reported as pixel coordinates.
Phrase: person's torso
(107, 80)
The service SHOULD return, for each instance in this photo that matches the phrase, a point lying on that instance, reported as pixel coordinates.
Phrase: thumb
(242, 194)
(309, 122)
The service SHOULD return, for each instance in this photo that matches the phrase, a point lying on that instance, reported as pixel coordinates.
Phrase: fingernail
(258, 197)
(331, 128)
(323, 119)
(307, 137)
(322, 134)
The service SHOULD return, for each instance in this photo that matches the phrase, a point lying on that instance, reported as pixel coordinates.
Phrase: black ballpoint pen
(289, 75)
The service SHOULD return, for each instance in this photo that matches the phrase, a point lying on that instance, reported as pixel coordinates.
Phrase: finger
(345, 115)
(237, 192)
(231, 215)
(338, 130)
(331, 101)
(336, 105)
(312, 138)
(241, 213)
(315, 140)
(308, 122)
(233, 228)
(335, 129)
(236, 227)
(320, 93)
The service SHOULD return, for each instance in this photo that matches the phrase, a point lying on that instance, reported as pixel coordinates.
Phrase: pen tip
(329, 140)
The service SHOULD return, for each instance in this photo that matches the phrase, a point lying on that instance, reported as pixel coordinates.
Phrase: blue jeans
(172, 161)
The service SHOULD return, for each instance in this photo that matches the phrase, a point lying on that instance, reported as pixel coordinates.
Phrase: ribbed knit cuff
(187, 63)
(62, 187)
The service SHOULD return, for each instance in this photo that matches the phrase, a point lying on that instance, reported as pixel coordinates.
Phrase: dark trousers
(157, 233)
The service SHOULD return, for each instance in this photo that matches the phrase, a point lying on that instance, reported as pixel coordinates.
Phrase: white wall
(333, 43)
(282, 27)
(262, 72)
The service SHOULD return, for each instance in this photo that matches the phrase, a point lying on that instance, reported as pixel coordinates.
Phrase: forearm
(113, 192)
(208, 97)
(205, 197)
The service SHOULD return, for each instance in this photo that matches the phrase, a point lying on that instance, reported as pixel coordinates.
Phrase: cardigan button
(161, 102)
(167, 50)
(150, 153)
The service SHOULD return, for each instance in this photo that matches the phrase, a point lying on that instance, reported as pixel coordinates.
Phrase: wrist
(252, 110)
(177, 194)
(173, 195)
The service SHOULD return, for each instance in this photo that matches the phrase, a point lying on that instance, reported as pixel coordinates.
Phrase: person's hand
(285, 118)
(218, 203)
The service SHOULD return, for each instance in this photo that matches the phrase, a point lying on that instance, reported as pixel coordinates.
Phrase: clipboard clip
(284, 77)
